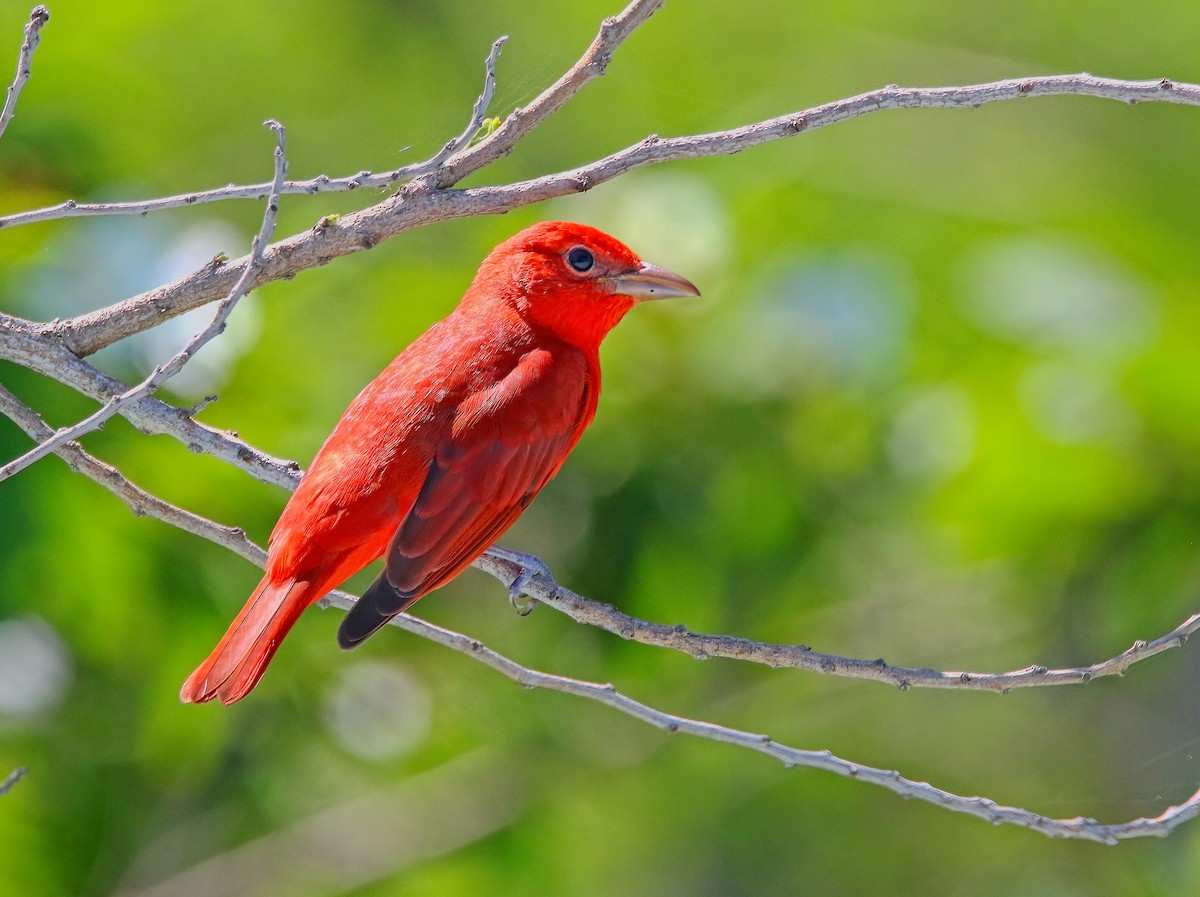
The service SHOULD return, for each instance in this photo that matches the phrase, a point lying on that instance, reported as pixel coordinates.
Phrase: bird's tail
(242, 655)
(378, 604)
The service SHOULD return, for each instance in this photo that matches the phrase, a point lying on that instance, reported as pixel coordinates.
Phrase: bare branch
(165, 371)
(1076, 828)
(654, 150)
(614, 31)
(320, 184)
(702, 647)
(420, 202)
(13, 777)
(33, 36)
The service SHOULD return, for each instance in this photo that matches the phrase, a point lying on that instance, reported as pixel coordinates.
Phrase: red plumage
(440, 453)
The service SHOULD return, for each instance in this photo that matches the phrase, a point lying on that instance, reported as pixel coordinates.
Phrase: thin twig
(478, 111)
(164, 372)
(322, 183)
(13, 777)
(143, 502)
(33, 36)
(420, 203)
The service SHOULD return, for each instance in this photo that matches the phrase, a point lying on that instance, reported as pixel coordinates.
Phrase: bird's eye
(580, 259)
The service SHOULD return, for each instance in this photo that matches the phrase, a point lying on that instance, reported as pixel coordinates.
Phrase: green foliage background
(940, 403)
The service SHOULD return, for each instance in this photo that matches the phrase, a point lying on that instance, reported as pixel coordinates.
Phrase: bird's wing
(371, 468)
(504, 445)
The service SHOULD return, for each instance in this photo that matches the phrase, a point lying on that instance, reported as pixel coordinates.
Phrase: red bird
(444, 450)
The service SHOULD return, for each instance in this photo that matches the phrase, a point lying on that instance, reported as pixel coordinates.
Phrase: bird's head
(573, 280)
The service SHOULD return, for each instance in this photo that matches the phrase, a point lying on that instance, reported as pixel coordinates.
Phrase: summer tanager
(444, 450)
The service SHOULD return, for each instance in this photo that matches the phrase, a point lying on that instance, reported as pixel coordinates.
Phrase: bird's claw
(523, 604)
(530, 567)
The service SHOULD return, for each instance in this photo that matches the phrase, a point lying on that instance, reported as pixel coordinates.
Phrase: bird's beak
(653, 282)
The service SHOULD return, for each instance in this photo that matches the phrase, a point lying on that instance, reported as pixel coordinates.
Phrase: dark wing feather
(505, 444)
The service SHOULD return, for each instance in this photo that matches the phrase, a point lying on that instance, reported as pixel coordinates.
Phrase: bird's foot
(530, 567)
